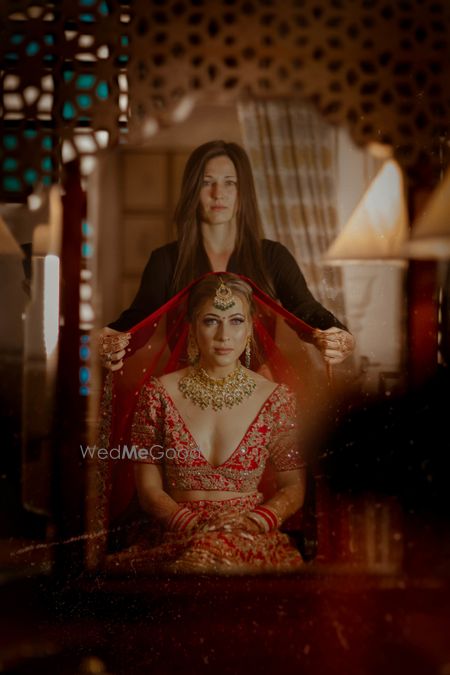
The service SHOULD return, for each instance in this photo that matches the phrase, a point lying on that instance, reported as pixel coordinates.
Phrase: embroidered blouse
(162, 437)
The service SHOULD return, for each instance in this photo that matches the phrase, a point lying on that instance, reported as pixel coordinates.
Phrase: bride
(204, 434)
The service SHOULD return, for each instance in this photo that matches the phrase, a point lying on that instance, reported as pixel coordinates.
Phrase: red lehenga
(138, 411)
(270, 437)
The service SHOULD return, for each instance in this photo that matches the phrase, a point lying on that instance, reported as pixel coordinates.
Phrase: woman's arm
(287, 500)
(147, 431)
(153, 292)
(292, 289)
(290, 495)
(155, 501)
(331, 337)
(154, 289)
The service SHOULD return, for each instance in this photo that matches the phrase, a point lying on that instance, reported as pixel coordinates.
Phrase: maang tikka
(224, 298)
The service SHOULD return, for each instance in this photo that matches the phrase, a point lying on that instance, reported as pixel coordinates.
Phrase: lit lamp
(430, 233)
(374, 235)
(378, 226)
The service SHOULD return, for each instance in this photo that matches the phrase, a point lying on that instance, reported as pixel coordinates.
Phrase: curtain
(292, 151)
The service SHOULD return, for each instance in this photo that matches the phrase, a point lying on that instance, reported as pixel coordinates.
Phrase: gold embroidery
(273, 434)
(204, 478)
(217, 552)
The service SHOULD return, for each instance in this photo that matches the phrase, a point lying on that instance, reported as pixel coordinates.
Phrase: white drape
(292, 154)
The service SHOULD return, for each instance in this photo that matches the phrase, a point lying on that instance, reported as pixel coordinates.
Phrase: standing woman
(219, 229)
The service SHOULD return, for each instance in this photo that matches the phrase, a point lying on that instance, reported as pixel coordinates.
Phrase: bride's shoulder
(169, 381)
(264, 382)
(279, 392)
(156, 390)
(149, 396)
(151, 387)
(285, 394)
(264, 386)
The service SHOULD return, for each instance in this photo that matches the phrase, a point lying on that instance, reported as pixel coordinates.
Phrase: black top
(288, 281)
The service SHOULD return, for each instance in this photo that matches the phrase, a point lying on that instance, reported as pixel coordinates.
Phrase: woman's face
(219, 193)
(221, 335)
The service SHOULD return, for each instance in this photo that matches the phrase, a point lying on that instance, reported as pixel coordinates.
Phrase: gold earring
(193, 353)
(248, 352)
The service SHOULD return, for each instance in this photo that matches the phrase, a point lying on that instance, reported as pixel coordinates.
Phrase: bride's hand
(112, 346)
(231, 522)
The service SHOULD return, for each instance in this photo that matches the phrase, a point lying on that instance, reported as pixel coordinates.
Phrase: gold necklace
(228, 391)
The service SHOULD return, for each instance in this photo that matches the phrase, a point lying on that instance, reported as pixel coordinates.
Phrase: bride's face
(222, 334)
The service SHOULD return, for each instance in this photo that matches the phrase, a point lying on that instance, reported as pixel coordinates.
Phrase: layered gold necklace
(228, 391)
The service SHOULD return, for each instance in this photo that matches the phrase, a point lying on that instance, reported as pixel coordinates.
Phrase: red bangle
(267, 517)
(179, 520)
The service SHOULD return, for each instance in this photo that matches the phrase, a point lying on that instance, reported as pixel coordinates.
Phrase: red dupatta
(158, 345)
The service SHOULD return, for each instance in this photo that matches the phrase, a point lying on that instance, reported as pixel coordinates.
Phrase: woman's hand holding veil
(334, 344)
(112, 346)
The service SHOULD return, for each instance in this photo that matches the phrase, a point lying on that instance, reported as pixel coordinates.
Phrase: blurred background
(344, 111)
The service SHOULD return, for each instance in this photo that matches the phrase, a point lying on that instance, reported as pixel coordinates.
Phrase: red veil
(159, 345)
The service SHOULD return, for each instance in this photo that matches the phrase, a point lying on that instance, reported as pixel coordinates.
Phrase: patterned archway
(79, 75)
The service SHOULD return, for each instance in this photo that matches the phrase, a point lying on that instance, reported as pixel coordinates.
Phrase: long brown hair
(187, 218)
